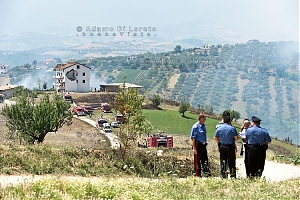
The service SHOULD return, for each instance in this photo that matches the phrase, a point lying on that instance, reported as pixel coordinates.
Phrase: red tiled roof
(65, 66)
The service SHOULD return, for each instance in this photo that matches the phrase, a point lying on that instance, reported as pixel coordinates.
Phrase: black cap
(255, 119)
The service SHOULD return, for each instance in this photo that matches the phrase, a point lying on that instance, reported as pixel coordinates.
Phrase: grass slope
(130, 74)
(171, 122)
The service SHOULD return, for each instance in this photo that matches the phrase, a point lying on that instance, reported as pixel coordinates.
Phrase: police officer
(199, 143)
(258, 139)
(245, 148)
(219, 124)
(226, 135)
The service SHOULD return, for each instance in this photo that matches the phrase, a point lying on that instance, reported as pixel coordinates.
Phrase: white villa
(72, 77)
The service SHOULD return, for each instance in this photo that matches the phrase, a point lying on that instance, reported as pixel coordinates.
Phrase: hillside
(254, 78)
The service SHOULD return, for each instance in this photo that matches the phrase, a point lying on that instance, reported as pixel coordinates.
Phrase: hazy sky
(276, 19)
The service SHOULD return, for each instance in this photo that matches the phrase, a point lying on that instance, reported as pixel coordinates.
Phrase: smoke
(37, 79)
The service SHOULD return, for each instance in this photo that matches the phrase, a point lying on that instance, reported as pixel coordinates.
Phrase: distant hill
(254, 78)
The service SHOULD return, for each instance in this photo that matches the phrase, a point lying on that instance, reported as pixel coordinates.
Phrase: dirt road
(273, 171)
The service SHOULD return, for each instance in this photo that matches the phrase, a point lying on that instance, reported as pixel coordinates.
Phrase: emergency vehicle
(159, 140)
(105, 107)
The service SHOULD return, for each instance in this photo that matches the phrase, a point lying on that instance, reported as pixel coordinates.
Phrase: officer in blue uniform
(258, 139)
(219, 124)
(199, 143)
(226, 135)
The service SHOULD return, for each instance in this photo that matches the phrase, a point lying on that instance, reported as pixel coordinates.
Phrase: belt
(201, 143)
(228, 145)
(258, 144)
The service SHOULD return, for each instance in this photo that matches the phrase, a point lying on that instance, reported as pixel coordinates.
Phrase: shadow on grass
(187, 117)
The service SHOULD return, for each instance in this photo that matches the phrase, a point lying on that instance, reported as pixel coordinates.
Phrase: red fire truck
(159, 140)
(105, 107)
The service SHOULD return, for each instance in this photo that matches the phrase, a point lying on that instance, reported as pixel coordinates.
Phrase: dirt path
(273, 171)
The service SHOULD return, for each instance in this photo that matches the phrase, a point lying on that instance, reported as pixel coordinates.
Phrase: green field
(130, 74)
(171, 122)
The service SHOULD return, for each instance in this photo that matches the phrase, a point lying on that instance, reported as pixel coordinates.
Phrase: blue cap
(255, 119)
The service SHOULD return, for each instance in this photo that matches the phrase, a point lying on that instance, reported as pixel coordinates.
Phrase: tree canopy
(129, 104)
(183, 107)
(32, 121)
(155, 100)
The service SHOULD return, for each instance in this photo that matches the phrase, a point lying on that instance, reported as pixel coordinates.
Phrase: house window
(78, 66)
(83, 81)
(83, 74)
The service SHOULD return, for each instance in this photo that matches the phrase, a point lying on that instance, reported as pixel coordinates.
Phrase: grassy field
(168, 121)
(171, 122)
(163, 188)
(130, 74)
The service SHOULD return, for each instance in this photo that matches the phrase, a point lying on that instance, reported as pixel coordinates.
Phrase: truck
(79, 111)
(67, 97)
(158, 140)
(105, 107)
(87, 109)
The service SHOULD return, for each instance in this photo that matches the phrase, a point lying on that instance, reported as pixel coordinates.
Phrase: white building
(7, 90)
(72, 77)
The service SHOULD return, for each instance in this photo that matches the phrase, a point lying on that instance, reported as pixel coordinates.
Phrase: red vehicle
(79, 111)
(160, 140)
(87, 109)
(105, 107)
(120, 118)
(68, 97)
(100, 122)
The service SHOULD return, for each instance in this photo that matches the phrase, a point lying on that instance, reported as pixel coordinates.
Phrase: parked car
(114, 124)
(100, 122)
(107, 130)
(106, 125)
(120, 118)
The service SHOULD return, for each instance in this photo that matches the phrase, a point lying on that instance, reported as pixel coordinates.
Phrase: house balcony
(58, 77)
(59, 86)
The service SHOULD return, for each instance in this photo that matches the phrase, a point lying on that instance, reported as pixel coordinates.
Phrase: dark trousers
(256, 159)
(202, 160)
(246, 152)
(227, 155)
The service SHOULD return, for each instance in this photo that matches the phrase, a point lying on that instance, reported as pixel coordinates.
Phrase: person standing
(245, 148)
(226, 135)
(199, 143)
(219, 124)
(258, 139)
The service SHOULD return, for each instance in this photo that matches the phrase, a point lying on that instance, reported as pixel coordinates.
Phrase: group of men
(255, 143)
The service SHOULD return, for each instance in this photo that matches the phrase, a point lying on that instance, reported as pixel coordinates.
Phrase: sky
(269, 19)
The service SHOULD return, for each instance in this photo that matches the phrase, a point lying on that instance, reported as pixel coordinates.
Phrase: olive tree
(32, 121)
(128, 102)
(234, 115)
(155, 100)
(184, 106)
